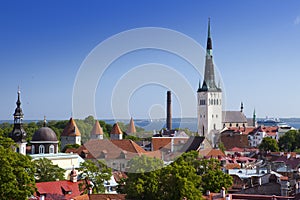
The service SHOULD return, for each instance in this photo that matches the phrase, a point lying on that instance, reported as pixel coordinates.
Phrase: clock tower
(18, 134)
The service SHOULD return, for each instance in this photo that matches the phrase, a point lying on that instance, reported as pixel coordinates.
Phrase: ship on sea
(283, 127)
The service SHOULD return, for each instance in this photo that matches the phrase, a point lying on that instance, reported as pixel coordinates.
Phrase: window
(214, 126)
(202, 102)
(216, 116)
(32, 149)
(217, 101)
(212, 116)
(230, 125)
(51, 148)
(41, 149)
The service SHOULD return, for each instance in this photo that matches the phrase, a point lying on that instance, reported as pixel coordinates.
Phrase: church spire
(18, 134)
(209, 83)
(209, 41)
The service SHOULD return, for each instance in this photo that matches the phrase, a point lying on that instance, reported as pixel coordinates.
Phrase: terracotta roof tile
(165, 142)
(71, 129)
(97, 129)
(234, 140)
(107, 196)
(55, 189)
(128, 145)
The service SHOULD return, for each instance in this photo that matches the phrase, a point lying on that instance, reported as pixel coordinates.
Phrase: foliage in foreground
(16, 172)
(187, 177)
(47, 171)
(94, 173)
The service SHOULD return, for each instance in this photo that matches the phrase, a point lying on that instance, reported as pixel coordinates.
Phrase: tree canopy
(269, 144)
(94, 173)
(187, 177)
(290, 141)
(16, 172)
(47, 171)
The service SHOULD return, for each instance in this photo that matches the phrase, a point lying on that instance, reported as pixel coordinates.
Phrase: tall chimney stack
(169, 111)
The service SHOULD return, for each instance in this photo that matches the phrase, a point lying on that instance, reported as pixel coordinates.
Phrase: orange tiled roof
(129, 146)
(71, 129)
(165, 142)
(116, 129)
(97, 129)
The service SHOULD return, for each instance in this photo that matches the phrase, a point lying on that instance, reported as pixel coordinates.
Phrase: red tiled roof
(111, 148)
(242, 130)
(128, 145)
(234, 140)
(165, 142)
(116, 129)
(107, 196)
(97, 129)
(71, 129)
(55, 189)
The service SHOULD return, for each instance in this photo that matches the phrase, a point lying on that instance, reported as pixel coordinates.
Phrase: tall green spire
(209, 41)
(254, 118)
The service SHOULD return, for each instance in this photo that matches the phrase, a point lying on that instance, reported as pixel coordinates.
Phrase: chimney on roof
(169, 111)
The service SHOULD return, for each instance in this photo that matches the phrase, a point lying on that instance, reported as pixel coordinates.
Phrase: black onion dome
(44, 134)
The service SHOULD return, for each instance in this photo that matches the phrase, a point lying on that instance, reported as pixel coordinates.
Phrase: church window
(32, 149)
(217, 101)
(214, 126)
(202, 130)
(214, 101)
(41, 149)
(212, 116)
(51, 148)
(230, 125)
(237, 125)
(216, 116)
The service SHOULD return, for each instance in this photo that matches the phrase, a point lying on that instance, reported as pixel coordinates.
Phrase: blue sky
(256, 47)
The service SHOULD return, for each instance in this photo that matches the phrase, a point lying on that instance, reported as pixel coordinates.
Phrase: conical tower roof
(131, 127)
(97, 129)
(116, 129)
(71, 129)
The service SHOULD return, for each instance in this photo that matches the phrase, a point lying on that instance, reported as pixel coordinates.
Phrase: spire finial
(242, 106)
(209, 41)
(45, 122)
(208, 34)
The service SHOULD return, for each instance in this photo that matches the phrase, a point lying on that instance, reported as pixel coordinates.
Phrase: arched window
(51, 148)
(217, 101)
(202, 130)
(32, 149)
(41, 149)
(214, 126)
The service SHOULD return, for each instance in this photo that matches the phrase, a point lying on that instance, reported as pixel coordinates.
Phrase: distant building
(97, 131)
(70, 134)
(116, 133)
(234, 119)
(44, 141)
(18, 133)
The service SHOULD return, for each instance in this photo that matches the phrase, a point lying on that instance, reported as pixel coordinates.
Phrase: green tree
(16, 173)
(268, 144)
(70, 146)
(213, 178)
(94, 174)
(143, 180)
(290, 141)
(46, 171)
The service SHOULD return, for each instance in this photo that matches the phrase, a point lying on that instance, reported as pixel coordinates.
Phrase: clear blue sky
(43, 44)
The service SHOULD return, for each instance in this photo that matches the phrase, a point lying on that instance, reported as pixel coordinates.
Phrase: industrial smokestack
(169, 111)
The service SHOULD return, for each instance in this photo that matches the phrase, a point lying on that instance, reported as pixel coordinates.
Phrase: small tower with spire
(70, 134)
(18, 134)
(97, 131)
(131, 127)
(209, 107)
(116, 133)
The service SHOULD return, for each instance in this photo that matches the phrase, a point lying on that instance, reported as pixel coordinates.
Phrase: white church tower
(209, 108)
